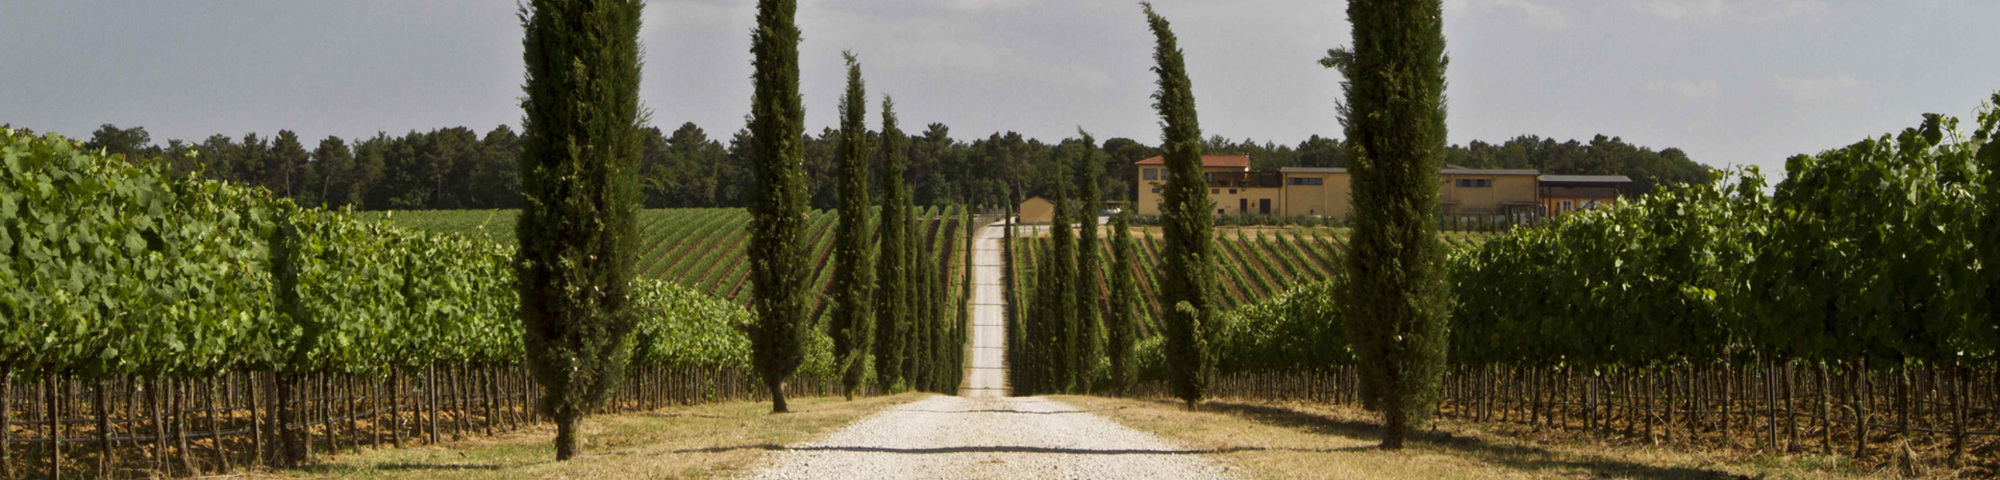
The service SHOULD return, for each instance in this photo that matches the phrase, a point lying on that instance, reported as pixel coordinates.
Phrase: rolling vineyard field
(699, 248)
(1849, 309)
(157, 325)
(1256, 263)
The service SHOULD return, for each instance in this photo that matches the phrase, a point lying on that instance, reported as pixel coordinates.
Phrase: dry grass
(1310, 441)
(704, 441)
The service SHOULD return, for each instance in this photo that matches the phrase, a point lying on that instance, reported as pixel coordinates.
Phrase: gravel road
(983, 433)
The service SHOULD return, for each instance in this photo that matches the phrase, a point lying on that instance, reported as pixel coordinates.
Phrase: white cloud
(1731, 9)
(1818, 89)
(991, 61)
(980, 5)
(1534, 14)
(1685, 90)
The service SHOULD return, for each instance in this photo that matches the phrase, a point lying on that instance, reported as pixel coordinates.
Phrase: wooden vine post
(54, 413)
(1860, 395)
(6, 421)
(181, 394)
(104, 455)
(396, 408)
(260, 418)
(215, 381)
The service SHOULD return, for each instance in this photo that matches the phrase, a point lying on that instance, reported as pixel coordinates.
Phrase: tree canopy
(687, 166)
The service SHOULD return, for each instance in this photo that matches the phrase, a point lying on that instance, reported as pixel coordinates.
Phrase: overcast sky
(1729, 81)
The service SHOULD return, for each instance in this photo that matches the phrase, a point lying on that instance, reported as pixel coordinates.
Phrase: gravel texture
(984, 434)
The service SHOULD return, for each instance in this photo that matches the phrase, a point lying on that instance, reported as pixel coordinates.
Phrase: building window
(1475, 183)
(1156, 189)
(1149, 173)
(1568, 205)
(1232, 191)
(1306, 181)
(1215, 191)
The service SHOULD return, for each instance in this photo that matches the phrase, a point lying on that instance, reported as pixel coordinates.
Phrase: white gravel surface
(983, 433)
(989, 437)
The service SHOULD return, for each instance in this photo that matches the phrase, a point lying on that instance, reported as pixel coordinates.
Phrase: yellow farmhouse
(1234, 189)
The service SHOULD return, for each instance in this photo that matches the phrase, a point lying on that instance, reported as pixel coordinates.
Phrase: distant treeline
(457, 168)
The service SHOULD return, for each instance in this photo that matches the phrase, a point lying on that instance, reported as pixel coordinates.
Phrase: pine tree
(576, 224)
(853, 271)
(892, 293)
(1089, 267)
(1395, 120)
(1187, 283)
(778, 207)
(1121, 317)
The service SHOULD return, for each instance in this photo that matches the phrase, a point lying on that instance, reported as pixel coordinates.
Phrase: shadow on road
(1023, 412)
(1061, 451)
(424, 466)
(1010, 449)
(1519, 457)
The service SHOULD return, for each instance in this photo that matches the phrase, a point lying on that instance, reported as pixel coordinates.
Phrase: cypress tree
(940, 306)
(1010, 286)
(1034, 342)
(1122, 314)
(935, 321)
(913, 361)
(920, 290)
(1187, 283)
(891, 295)
(581, 134)
(1395, 120)
(778, 207)
(1089, 269)
(853, 270)
(960, 339)
(1057, 310)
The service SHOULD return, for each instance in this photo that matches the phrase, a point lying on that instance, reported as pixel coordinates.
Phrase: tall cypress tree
(1056, 290)
(940, 308)
(935, 319)
(853, 269)
(778, 206)
(581, 134)
(1187, 283)
(892, 294)
(1395, 120)
(960, 339)
(1089, 272)
(1122, 313)
(1016, 334)
(916, 364)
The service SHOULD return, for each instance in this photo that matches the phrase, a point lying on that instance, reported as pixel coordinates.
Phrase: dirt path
(986, 372)
(983, 433)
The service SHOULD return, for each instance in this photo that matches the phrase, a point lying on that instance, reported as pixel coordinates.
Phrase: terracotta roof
(1232, 161)
(1586, 179)
(1488, 171)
